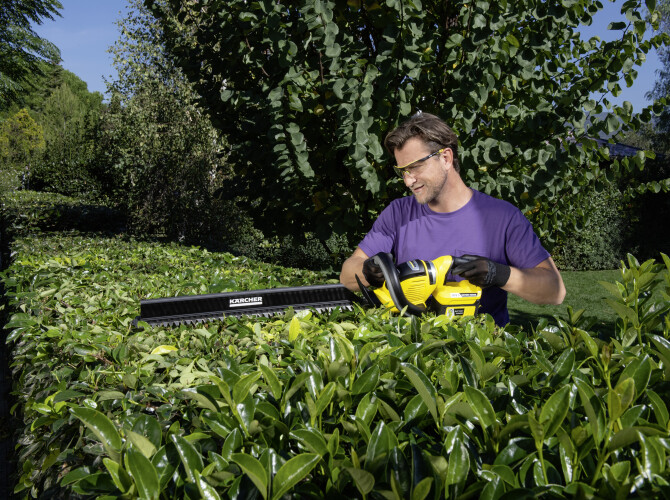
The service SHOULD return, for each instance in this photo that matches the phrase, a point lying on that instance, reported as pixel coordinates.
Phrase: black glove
(373, 273)
(481, 271)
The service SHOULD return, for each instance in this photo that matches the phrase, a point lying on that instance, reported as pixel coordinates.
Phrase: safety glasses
(409, 169)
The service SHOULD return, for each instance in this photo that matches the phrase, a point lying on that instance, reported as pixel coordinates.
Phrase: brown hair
(430, 129)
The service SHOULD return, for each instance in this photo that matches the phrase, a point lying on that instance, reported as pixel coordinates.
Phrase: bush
(334, 404)
(23, 212)
(601, 242)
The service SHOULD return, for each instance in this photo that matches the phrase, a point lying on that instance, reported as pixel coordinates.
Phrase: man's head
(430, 129)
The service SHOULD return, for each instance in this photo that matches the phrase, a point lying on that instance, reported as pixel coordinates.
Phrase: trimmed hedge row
(24, 212)
(357, 405)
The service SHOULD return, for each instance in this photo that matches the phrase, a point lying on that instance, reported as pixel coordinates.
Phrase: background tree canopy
(306, 91)
(21, 50)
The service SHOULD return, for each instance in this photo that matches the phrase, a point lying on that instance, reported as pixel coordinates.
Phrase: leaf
(555, 410)
(422, 489)
(292, 472)
(325, 397)
(190, 457)
(142, 444)
(424, 387)
(121, 479)
(382, 441)
(272, 380)
(294, 330)
(149, 428)
(367, 408)
(203, 399)
(660, 409)
(459, 464)
(363, 479)
(620, 398)
(232, 443)
(164, 349)
(481, 406)
(143, 473)
(589, 343)
(243, 386)
(367, 382)
(103, 428)
(593, 408)
(311, 439)
(207, 491)
(253, 468)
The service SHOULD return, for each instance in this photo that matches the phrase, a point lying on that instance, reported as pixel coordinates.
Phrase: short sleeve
(382, 235)
(523, 248)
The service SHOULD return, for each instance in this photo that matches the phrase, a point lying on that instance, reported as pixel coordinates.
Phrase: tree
(307, 90)
(69, 117)
(21, 141)
(159, 154)
(21, 50)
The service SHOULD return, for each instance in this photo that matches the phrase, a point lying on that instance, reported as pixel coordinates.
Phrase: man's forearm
(540, 285)
(353, 266)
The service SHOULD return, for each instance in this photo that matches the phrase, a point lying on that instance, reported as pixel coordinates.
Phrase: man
(445, 217)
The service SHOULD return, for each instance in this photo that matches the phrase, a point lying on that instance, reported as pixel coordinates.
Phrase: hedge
(358, 404)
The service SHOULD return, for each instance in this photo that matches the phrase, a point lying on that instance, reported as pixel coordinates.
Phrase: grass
(583, 292)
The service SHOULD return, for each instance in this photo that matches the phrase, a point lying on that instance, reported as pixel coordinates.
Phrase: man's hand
(481, 271)
(373, 273)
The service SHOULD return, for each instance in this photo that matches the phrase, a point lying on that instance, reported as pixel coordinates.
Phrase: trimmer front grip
(385, 262)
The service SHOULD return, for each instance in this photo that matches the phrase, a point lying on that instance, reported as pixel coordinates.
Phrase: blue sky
(87, 29)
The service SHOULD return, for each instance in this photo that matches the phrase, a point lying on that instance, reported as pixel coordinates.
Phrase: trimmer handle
(385, 262)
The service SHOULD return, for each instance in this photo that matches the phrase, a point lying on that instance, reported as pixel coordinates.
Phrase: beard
(430, 190)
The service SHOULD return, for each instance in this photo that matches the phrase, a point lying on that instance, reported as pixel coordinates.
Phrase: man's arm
(541, 284)
(353, 266)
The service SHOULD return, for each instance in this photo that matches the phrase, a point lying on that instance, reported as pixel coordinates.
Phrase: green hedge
(602, 242)
(357, 405)
(24, 212)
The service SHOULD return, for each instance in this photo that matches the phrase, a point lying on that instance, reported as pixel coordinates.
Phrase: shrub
(24, 212)
(601, 242)
(334, 404)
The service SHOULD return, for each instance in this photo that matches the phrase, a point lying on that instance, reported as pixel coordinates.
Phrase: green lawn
(583, 292)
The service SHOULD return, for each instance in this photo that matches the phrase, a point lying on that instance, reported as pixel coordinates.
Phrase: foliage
(358, 404)
(159, 157)
(661, 90)
(69, 117)
(602, 241)
(26, 212)
(306, 91)
(21, 142)
(22, 51)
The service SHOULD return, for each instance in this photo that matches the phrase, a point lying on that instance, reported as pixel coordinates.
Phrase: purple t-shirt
(485, 226)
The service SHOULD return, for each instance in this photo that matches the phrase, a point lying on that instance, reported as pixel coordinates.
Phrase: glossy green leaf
(253, 468)
(207, 491)
(424, 387)
(190, 457)
(121, 478)
(243, 386)
(103, 428)
(312, 440)
(659, 407)
(382, 441)
(459, 464)
(481, 406)
(325, 397)
(363, 479)
(142, 444)
(366, 382)
(292, 472)
(272, 380)
(555, 410)
(143, 472)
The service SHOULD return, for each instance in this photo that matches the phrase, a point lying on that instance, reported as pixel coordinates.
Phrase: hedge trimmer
(413, 287)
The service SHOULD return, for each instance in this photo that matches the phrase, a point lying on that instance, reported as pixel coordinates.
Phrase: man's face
(426, 179)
